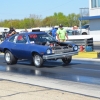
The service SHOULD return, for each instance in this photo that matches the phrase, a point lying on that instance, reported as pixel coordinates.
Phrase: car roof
(27, 33)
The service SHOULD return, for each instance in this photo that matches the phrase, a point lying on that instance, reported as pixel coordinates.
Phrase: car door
(21, 48)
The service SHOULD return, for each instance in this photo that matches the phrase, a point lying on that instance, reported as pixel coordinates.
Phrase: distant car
(73, 32)
(85, 29)
(36, 47)
(3, 37)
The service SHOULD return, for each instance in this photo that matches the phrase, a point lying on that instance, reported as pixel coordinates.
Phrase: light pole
(83, 12)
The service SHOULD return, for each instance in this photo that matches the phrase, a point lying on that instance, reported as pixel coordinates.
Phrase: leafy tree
(37, 21)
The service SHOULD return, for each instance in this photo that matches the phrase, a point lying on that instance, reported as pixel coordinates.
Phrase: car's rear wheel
(10, 58)
(67, 60)
(38, 60)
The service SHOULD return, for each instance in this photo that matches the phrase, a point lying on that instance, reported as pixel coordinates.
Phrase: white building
(93, 17)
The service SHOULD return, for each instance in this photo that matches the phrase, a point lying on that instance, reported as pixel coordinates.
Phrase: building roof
(89, 17)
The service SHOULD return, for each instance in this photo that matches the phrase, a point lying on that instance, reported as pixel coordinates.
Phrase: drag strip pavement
(79, 77)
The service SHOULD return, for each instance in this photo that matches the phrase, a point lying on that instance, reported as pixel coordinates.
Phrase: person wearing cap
(61, 34)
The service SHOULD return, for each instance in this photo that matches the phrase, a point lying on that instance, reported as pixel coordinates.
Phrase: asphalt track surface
(80, 71)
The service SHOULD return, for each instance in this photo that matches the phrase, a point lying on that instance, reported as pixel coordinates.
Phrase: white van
(85, 29)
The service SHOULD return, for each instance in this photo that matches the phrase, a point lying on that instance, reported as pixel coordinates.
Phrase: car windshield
(41, 38)
(85, 26)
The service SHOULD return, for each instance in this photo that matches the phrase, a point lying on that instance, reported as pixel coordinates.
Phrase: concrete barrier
(87, 55)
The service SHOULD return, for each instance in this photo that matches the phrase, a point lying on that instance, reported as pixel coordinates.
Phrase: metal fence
(84, 42)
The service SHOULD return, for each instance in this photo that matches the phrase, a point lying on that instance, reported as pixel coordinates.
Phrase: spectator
(53, 31)
(61, 34)
(75, 32)
(11, 32)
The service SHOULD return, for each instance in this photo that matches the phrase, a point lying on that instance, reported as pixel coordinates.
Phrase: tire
(67, 60)
(9, 58)
(38, 60)
(84, 33)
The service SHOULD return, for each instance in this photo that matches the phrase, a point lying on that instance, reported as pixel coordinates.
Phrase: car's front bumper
(61, 55)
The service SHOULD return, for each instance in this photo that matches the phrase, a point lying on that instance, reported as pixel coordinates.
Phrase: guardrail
(87, 44)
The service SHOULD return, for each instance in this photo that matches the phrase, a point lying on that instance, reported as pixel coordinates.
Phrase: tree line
(37, 21)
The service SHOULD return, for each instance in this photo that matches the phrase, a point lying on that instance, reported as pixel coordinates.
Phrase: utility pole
(80, 21)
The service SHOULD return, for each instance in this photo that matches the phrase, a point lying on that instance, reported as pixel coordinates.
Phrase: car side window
(12, 39)
(21, 39)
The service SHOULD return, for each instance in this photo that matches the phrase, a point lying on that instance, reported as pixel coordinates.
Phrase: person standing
(11, 32)
(62, 34)
(53, 31)
(75, 32)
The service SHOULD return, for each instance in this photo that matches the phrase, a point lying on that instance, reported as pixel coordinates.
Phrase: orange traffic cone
(81, 48)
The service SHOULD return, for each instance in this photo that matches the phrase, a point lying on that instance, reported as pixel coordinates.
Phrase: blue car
(36, 47)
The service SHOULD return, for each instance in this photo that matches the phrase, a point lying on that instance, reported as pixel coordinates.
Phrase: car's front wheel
(67, 60)
(10, 58)
(38, 60)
